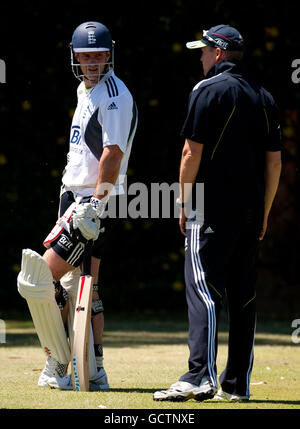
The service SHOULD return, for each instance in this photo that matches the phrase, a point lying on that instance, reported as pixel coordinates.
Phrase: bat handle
(87, 258)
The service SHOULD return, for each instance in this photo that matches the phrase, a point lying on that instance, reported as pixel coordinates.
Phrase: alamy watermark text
(296, 73)
(2, 71)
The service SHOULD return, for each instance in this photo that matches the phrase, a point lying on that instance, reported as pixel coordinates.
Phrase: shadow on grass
(273, 401)
(213, 401)
(125, 338)
(139, 330)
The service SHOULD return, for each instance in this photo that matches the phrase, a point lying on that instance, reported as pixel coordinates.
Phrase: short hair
(234, 55)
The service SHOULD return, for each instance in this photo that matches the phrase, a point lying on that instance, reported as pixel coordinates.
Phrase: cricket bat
(82, 326)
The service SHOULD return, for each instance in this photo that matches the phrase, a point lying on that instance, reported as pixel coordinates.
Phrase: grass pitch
(142, 356)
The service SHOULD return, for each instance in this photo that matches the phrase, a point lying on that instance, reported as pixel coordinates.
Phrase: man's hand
(85, 224)
(182, 222)
(264, 229)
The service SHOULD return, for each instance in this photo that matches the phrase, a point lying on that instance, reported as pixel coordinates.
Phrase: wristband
(180, 203)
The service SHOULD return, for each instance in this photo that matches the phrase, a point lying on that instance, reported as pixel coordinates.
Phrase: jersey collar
(224, 66)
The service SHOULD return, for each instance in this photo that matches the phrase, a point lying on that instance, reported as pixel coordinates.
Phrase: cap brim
(90, 49)
(196, 44)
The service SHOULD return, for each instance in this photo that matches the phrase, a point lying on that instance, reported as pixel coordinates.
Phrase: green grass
(143, 355)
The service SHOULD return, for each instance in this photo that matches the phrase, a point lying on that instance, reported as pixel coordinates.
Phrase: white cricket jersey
(105, 115)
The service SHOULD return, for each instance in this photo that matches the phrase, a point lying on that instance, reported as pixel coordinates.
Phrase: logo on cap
(91, 37)
(221, 43)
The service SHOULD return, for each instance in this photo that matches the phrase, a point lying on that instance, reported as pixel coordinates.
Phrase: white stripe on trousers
(250, 365)
(202, 288)
(75, 255)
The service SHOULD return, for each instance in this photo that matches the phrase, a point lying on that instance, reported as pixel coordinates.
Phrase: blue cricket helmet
(91, 36)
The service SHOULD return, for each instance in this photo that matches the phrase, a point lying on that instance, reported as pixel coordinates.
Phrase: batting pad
(35, 284)
(70, 282)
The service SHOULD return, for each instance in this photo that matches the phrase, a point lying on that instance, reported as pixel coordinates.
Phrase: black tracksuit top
(237, 121)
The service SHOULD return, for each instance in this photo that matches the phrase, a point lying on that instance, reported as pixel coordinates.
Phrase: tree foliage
(143, 268)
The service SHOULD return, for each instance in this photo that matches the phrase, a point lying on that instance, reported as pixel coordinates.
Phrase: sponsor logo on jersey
(112, 106)
(75, 135)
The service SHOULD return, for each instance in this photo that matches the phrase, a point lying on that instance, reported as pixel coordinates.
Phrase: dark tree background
(143, 270)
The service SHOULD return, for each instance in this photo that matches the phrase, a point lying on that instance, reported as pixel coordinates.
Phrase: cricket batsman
(102, 132)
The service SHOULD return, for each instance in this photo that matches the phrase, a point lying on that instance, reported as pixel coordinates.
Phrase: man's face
(92, 65)
(208, 58)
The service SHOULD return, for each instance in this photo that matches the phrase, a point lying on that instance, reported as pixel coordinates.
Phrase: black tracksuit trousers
(221, 259)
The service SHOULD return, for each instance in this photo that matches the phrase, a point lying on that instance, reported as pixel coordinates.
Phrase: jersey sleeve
(115, 117)
(274, 140)
(197, 123)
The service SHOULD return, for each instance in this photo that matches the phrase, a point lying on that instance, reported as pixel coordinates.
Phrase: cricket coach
(233, 146)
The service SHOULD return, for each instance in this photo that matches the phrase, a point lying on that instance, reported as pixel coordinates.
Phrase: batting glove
(85, 222)
(98, 205)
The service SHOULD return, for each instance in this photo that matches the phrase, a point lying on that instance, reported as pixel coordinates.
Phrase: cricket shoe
(232, 397)
(62, 383)
(183, 391)
(52, 369)
(97, 383)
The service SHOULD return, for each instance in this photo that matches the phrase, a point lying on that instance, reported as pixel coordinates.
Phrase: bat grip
(87, 258)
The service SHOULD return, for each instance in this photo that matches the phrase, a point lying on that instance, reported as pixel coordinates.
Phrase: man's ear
(220, 54)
